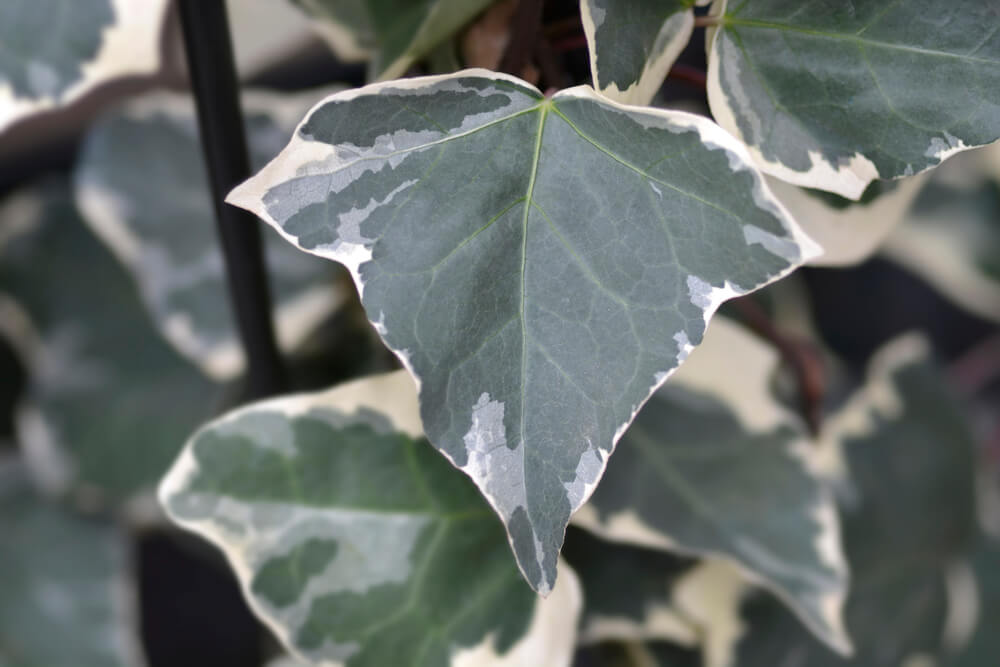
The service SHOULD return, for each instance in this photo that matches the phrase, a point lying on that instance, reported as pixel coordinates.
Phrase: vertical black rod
(216, 92)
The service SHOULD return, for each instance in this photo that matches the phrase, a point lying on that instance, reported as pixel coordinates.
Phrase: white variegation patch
(710, 595)
(131, 46)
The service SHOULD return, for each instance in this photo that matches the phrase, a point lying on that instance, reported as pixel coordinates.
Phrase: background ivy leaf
(395, 32)
(834, 96)
(53, 51)
(540, 266)
(141, 184)
(356, 542)
(908, 507)
(951, 236)
(67, 594)
(108, 402)
(633, 44)
(715, 466)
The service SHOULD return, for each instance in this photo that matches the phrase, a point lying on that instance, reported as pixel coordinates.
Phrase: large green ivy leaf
(67, 600)
(909, 515)
(108, 401)
(53, 51)
(356, 542)
(714, 465)
(834, 95)
(141, 184)
(540, 265)
(633, 44)
(951, 237)
(395, 32)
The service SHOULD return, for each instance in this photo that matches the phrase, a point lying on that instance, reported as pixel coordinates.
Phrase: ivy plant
(561, 393)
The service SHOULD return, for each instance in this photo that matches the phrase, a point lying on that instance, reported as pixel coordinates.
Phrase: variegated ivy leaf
(108, 402)
(357, 543)
(833, 96)
(67, 594)
(849, 231)
(975, 606)
(633, 44)
(395, 33)
(637, 654)
(540, 265)
(908, 516)
(951, 239)
(141, 185)
(714, 465)
(629, 591)
(53, 51)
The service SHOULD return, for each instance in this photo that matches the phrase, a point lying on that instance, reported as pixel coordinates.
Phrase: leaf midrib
(733, 21)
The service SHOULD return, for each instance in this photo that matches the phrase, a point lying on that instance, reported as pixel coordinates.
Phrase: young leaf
(53, 51)
(141, 185)
(835, 96)
(908, 515)
(951, 239)
(108, 401)
(715, 466)
(540, 266)
(396, 32)
(67, 595)
(633, 44)
(359, 545)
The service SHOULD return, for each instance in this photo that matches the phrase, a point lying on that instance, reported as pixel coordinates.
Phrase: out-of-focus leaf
(714, 465)
(266, 33)
(108, 402)
(53, 51)
(67, 597)
(357, 543)
(540, 265)
(633, 44)
(848, 231)
(395, 33)
(908, 516)
(834, 95)
(975, 609)
(951, 237)
(142, 187)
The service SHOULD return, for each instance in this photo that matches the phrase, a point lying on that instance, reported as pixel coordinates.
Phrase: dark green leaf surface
(833, 95)
(633, 44)
(109, 402)
(52, 51)
(141, 184)
(908, 515)
(540, 266)
(715, 466)
(357, 543)
(67, 599)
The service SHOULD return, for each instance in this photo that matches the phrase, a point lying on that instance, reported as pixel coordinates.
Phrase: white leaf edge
(551, 636)
(674, 35)
(735, 368)
(106, 214)
(299, 152)
(847, 180)
(131, 46)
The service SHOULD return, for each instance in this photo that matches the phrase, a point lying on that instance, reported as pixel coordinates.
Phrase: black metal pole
(216, 91)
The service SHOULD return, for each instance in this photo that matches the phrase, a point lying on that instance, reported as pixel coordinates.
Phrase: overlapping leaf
(108, 401)
(714, 465)
(832, 96)
(141, 185)
(357, 543)
(52, 51)
(395, 32)
(66, 595)
(909, 515)
(540, 265)
(633, 43)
